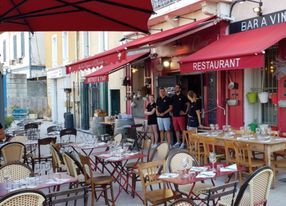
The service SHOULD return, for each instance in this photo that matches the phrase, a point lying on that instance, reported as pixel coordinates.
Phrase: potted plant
(263, 97)
(252, 97)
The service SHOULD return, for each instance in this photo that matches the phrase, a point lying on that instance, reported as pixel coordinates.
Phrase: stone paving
(277, 195)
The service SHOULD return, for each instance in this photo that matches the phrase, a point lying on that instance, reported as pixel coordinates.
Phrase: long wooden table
(267, 146)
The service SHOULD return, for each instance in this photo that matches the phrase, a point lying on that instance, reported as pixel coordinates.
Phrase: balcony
(158, 4)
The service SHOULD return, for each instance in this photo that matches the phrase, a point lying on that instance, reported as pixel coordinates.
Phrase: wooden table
(266, 146)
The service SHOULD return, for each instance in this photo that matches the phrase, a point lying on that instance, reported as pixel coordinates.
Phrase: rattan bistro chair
(13, 151)
(23, 198)
(17, 171)
(183, 202)
(254, 191)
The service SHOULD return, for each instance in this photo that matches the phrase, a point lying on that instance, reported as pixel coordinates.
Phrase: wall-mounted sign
(258, 22)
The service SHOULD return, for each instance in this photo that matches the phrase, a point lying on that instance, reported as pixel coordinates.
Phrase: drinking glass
(7, 178)
(212, 126)
(269, 131)
(216, 127)
(212, 159)
(43, 169)
(258, 131)
(185, 162)
(48, 168)
(242, 131)
(224, 128)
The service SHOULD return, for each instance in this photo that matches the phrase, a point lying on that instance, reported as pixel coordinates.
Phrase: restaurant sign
(96, 79)
(232, 63)
(258, 22)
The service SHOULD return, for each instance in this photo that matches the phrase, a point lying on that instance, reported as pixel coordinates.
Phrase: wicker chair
(21, 139)
(160, 193)
(174, 164)
(57, 159)
(17, 170)
(96, 184)
(160, 152)
(183, 202)
(24, 198)
(254, 191)
(13, 152)
(74, 168)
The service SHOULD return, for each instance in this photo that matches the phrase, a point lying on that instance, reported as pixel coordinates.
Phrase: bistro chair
(231, 152)
(67, 134)
(132, 167)
(74, 167)
(42, 154)
(96, 184)
(16, 170)
(174, 165)
(13, 151)
(160, 193)
(183, 202)
(57, 159)
(32, 130)
(24, 198)
(53, 130)
(254, 191)
(68, 195)
(21, 139)
(193, 145)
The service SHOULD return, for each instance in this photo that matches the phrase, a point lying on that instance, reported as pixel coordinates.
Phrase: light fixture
(134, 70)
(177, 18)
(257, 10)
(166, 62)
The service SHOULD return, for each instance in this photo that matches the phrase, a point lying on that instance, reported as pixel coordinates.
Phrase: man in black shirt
(163, 109)
(180, 108)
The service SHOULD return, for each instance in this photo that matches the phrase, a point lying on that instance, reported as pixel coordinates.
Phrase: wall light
(134, 70)
(166, 62)
(257, 10)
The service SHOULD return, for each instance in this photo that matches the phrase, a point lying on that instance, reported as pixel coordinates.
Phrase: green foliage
(8, 121)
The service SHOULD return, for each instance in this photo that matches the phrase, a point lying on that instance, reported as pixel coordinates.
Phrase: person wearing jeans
(163, 109)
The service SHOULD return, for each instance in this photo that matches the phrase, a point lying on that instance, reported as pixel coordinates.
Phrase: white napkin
(105, 155)
(229, 168)
(206, 174)
(199, 169)
(168, 175)
(113, 158)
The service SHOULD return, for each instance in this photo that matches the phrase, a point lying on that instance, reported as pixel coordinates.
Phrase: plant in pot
(251, 97)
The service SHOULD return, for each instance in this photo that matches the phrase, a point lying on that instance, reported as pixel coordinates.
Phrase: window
(22, 44)
(4, 51)
(65, 47)
(270, 84)
(85, 44)
(15, 47)
(54, 51)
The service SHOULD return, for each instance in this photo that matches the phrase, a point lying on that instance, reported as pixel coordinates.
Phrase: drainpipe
(30, 55)
(1, 99)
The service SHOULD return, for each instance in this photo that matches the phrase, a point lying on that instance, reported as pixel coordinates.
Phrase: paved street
(277, 195)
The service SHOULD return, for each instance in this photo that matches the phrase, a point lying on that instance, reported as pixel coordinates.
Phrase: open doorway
(115, 101)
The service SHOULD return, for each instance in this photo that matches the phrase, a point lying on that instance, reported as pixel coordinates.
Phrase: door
(115, 101)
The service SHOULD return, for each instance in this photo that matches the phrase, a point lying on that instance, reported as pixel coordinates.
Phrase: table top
(111, 157)
(191, 177)
(246, 138)
(86, 145)
(40, 182)
(108, 122)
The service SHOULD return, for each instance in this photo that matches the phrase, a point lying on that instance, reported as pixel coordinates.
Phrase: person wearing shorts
(163, 109)
(150, 111)
(180, 108)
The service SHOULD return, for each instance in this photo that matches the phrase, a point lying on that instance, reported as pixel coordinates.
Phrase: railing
(158, 4)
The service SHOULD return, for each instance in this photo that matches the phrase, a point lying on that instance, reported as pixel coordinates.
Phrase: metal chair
(32, 131)
(183, 202)
(67, 134)
(24, 198)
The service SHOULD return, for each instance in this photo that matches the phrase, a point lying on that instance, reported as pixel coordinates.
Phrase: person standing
(180, 108)
(163, 109)
(150, 111)
(194, 112)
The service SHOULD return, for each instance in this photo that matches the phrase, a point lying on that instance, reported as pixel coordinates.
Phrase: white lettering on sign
(267, 20)
(216, 64)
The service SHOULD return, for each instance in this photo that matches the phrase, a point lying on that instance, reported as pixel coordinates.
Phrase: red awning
(101, 75)
(111, 56)
(75, 15)
(236, 51)
(167, 34)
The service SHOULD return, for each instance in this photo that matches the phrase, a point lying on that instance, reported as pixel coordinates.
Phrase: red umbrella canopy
(75, 15)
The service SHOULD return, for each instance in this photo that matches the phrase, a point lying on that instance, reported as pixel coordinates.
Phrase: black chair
(68, 134)
(32, 130)
(67, 196)
(183, 202)
(53, 130)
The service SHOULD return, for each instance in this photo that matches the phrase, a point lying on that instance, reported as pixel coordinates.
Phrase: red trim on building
(236, 51)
